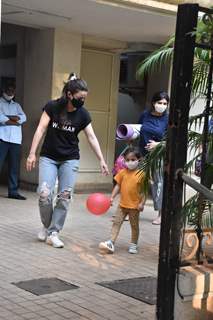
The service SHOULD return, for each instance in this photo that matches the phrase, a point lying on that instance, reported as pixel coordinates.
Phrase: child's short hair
(134, 150)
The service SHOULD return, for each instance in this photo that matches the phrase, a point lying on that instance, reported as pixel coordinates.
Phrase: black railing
(207, 194)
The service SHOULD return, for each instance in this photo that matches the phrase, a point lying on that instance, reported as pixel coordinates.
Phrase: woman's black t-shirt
(61, 140)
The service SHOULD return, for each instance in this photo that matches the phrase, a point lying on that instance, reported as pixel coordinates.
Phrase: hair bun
(72, 76)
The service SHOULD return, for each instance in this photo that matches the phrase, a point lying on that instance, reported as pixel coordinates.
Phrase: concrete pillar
(39, 46)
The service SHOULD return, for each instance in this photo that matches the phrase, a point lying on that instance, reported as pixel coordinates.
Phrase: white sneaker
(42, 235)
(107, 245)
(133, 248)
(54, 240)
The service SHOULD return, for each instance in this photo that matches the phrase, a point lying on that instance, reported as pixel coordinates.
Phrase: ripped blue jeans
(53, 215)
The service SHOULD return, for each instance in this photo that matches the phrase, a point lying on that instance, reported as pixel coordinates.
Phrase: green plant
(155, 61)
(197, 211)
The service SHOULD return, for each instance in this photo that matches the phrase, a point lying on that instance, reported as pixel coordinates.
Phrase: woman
(154, 125)
(62, 120)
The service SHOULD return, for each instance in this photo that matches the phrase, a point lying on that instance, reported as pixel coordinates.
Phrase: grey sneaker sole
(41, 239)
(133, 251)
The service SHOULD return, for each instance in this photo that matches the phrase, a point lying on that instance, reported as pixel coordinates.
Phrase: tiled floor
(79, 262)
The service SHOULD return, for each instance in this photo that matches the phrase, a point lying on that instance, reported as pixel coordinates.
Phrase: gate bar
(176, 150)
(208, 194)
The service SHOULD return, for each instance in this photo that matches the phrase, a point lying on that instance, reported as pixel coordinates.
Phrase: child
(129, 185)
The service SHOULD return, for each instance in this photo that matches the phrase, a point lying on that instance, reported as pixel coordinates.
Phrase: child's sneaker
(107, 245)
(133, 248)
(54, 240)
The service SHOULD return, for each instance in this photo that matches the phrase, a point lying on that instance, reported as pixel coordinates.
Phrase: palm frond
(204, 29)
(191, 163)
(152, 162)
(202, 55)
(190, 212)
(200, 74)
(194, 141)
(156, 60)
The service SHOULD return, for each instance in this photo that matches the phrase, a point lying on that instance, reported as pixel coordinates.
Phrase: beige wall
(66, 59)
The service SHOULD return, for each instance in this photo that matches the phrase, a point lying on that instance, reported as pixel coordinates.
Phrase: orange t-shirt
(131, 186)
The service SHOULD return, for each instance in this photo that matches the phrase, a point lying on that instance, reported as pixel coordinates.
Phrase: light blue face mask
(160, 108)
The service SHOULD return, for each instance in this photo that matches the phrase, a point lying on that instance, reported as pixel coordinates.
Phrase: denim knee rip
(45, 194)
(63, 199)
(66, 195)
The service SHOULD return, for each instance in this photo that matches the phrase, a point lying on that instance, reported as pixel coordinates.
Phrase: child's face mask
(131, 165)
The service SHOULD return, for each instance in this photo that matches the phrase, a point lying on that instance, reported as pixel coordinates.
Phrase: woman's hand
(31, 162)
(104, 168)
(151, 145)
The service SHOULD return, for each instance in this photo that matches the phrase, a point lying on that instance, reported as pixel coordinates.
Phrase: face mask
(160, 108)
(131, 165)
(77, 103)
(6, 97)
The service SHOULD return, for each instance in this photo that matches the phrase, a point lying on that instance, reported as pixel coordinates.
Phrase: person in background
(11, 119)
(62, 120)
(129, 184)
(154, 126)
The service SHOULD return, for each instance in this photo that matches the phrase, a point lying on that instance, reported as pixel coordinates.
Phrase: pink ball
(98, 203)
